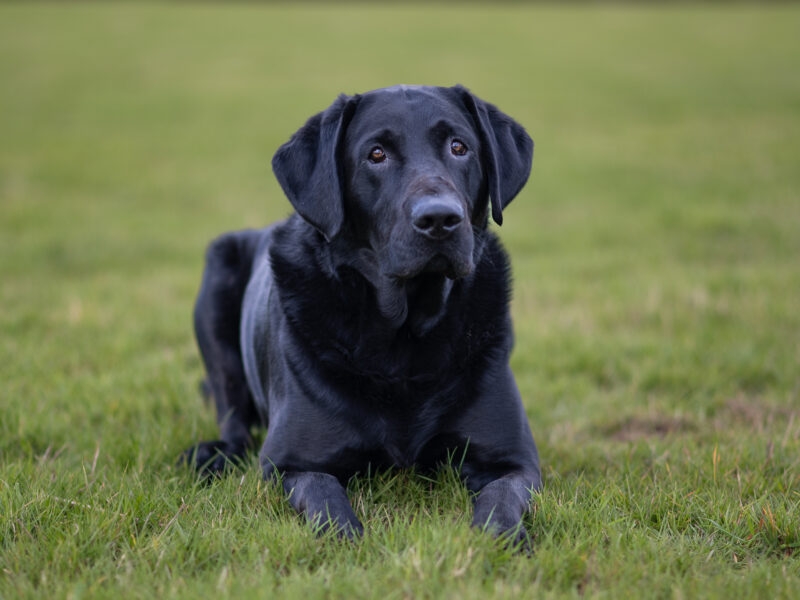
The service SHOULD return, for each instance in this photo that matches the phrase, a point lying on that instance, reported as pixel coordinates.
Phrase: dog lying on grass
(372, 327)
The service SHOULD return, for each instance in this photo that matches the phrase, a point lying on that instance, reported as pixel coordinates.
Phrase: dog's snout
(437, 217)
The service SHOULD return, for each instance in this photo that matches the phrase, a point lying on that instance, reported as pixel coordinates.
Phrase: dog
(371, 328)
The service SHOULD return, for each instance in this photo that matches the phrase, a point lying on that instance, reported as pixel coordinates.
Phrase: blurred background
(655, 249)
(656, 260)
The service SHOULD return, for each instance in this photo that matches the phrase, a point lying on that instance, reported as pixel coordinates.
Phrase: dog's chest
(403, 431)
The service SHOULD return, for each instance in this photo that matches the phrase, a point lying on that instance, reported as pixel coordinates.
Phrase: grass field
(656, 255)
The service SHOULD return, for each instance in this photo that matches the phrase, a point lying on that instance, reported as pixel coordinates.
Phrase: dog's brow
(443, 126)
(383, 135)
(440, 130)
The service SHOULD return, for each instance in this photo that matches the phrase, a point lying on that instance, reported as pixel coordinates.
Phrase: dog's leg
(502, 502)
(500, 460)
(217, 316)
(312, 452)
(322, 499)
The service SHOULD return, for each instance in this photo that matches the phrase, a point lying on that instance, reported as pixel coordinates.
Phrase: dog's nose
(437, 218)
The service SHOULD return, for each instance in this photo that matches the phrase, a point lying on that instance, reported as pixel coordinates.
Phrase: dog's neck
(419, 302)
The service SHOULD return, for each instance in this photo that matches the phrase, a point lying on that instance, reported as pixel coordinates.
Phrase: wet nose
(438, 217)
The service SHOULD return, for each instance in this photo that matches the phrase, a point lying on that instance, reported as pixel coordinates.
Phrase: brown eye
(377, 155)
(458, 147)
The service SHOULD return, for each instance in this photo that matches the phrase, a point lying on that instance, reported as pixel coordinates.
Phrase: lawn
(656, 259)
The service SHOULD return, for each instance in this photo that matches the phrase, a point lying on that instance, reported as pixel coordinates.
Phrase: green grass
(656, 255)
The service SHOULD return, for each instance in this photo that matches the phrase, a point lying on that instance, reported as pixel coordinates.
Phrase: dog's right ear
(307, 167)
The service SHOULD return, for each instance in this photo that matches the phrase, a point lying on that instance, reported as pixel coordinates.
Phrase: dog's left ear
(507, 151)
(307, 167)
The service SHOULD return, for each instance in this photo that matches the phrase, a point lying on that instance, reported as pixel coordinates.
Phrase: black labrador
(372, 327)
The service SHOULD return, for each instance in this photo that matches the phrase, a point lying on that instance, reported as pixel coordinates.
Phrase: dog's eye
(377, 155)
(458, 147)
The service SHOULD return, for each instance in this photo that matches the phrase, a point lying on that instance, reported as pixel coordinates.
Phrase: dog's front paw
(512, 534)
(345, 526)
(212, 458)
(518, 539)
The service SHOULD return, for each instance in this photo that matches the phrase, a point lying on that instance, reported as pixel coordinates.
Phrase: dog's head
(407, 173)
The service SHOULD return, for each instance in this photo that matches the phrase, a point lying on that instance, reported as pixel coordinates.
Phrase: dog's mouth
(439, 264)
(406, 255)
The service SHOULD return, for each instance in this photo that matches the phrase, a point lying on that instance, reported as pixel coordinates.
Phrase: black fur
(372, 328)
